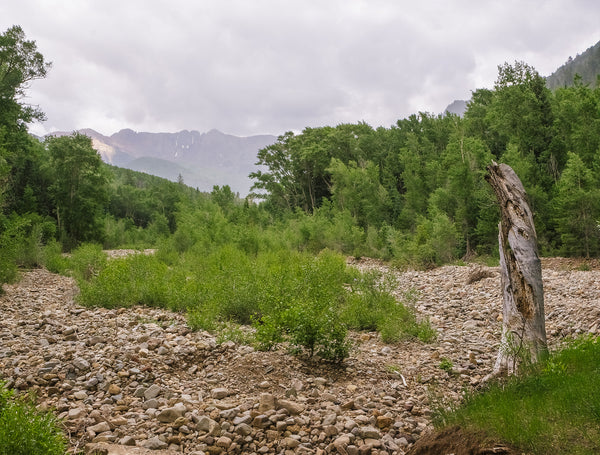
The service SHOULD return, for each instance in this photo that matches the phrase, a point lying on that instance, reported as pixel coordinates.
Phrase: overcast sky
(269, 66)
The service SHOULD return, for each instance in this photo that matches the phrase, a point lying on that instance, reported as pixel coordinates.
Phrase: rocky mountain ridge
(202, 159)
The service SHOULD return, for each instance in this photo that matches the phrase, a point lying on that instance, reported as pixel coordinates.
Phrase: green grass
(554, 408)
(26, 431)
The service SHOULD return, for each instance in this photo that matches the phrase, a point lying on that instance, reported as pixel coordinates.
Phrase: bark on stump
(523, 324)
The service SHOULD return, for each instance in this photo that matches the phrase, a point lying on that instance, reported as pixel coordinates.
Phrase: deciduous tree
(80, 188)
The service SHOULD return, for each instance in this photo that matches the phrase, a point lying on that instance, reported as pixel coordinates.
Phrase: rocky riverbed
(124, 380)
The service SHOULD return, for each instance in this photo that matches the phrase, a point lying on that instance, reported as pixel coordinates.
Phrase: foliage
(54, 259)
(372, 306)
(423, 176)
(446, 365)
(20, 63)
(79, 189)
(137, 279)
(554, 408)
(24, 430)
(87, 261)
(578, 209)
(294, 297)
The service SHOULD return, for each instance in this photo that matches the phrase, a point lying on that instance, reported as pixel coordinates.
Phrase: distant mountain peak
(203, 159)
(586, 65)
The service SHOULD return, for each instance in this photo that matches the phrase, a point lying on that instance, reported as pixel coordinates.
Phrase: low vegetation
(552, 408)
(309, 302)
(24, 430)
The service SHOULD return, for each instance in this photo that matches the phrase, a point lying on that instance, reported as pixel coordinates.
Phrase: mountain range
(215, 158)
(201, 159)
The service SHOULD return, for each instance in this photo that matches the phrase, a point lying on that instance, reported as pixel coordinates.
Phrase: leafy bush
(294, 297)
(24, 430)
(137, 279)
(372, 306)
(10, 238)
(87, 261)
(36, 232)
(54, 259)
(312, 320)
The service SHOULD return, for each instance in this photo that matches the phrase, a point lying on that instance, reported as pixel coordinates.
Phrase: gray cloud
(267, 66)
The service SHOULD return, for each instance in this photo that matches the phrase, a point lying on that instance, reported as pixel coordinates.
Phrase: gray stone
(246, 418)
(169, 415)
(139, 392)
(229, 414)
(76, 413)
(266, 402)
(341, 443)
(80, 395)
(152, 392)
(155, 444)
(100, 427)
(369, 432)
(219, 392)
(150, 404)
(290, 406)
(261, 421)
(224, 442)
(329, 419)
(127, 441)
(207, 425)
(243, 429)
(91, 383)
(81, 364)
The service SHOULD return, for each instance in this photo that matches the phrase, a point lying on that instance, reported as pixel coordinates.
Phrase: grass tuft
(24, 430)
(553, 408)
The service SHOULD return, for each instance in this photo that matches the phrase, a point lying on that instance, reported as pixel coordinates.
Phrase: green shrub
(303, 304)
(371, 305)
(22, 239)
(446, 365)
(24, 430)
(54, 259)
(225, 286)
(294, 297)
(37, 232)
(10, 238)
(87, 261)
(137, 279)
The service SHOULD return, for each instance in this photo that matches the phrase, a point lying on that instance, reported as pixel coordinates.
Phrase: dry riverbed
(140, 379)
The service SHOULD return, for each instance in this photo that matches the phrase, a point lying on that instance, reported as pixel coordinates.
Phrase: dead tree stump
(523, 324)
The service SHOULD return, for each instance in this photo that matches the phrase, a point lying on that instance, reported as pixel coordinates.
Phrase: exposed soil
(457, 441)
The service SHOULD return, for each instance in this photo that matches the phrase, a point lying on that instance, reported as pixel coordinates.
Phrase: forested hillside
(586, 66)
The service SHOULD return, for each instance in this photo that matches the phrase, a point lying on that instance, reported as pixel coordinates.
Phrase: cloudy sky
(269, 66)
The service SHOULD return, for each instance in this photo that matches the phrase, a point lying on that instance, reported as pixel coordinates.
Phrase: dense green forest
(412, 193)
(415, 192)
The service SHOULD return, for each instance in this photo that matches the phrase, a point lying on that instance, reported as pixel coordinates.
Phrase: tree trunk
(523, 324)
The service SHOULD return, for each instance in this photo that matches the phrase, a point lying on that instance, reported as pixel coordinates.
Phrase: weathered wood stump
(523, 324)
